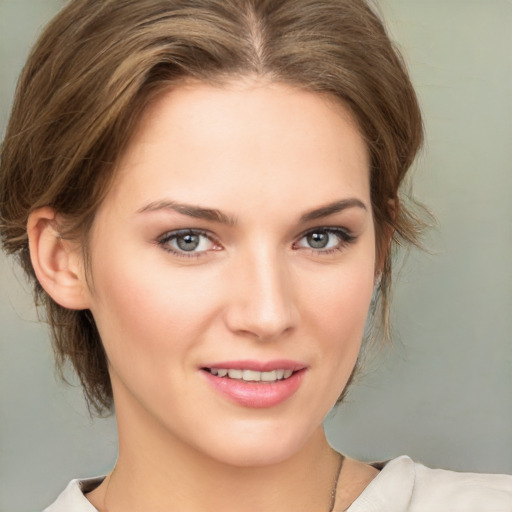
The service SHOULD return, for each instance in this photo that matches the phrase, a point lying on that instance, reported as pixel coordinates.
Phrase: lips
(255, 384)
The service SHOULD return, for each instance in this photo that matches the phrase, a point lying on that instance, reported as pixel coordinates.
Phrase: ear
(57, 262)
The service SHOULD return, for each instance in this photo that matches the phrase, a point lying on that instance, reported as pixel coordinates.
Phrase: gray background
(443, 394)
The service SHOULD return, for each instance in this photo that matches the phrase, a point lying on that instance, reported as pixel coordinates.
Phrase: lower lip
(256, 395)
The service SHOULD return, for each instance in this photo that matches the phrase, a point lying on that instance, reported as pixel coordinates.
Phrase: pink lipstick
(255, 384)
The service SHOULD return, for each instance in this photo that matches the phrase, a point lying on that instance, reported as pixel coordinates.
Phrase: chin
(259, 445)
(246, 456)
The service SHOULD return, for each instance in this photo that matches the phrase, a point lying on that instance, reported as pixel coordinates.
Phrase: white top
(401, 486)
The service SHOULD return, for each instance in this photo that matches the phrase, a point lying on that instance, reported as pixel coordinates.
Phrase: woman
(205, 194)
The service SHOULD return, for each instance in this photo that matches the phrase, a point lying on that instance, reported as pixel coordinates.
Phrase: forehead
(203, 143)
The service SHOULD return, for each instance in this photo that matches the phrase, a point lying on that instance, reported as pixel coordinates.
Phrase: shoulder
(407, 486)
(72, 499)
(462, 491)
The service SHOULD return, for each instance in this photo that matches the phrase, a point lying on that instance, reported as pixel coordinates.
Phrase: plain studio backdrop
(443, 393)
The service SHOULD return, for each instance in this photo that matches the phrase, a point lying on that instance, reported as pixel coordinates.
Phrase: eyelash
(163, 242)
(345, 238)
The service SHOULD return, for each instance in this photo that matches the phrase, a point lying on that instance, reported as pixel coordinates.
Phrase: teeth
(251, 375)
(269, 376)
(235, 374)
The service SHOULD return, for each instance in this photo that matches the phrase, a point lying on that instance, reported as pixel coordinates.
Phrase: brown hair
(99, 62)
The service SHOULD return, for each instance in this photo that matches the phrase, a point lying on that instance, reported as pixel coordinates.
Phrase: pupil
(318, 240)
(188, 242)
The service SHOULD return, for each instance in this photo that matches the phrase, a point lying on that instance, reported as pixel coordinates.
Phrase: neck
(158, 472)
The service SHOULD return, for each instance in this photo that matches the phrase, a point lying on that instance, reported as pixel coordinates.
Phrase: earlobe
(56, 262)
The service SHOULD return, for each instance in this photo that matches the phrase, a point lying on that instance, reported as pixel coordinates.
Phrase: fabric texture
(406, 486)
(401, 486)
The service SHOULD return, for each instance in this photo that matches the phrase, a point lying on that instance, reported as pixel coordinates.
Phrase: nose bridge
(264, 302)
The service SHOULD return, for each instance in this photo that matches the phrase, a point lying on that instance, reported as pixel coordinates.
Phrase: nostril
(261, 304)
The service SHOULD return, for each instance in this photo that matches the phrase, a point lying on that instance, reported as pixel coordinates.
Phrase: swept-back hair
(99, 63)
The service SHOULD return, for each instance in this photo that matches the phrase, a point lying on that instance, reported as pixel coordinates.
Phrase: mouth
(247, 375)
(255, 384)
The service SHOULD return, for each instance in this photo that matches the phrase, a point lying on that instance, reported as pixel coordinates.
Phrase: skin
(264, 155)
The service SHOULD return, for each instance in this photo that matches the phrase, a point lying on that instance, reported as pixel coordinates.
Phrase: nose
(262, 304)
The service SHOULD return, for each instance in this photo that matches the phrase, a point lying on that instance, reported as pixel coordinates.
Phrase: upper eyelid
(177, 232)
(329, 229)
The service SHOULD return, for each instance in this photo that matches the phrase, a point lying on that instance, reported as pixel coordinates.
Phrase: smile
(251, 375)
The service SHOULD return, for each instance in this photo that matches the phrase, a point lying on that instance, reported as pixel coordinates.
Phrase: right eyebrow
(332, 208)
(197, 212)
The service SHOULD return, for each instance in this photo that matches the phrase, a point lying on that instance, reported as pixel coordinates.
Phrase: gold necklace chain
(335, 483)
(332, 502)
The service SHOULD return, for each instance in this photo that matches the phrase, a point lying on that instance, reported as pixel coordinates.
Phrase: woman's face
(233, 264)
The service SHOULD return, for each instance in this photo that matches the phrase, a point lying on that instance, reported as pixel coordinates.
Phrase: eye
(188, 242)
(325, 239)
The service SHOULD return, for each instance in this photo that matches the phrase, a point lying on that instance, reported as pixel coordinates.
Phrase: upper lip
(258, 366)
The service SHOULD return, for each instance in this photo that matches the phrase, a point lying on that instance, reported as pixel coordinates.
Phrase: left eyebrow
(332, 208)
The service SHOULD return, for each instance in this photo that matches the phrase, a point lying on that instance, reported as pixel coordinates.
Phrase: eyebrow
(332, 208)
(198, 212)
(212, 214)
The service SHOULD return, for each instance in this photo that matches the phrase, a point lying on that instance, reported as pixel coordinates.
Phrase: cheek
(341, 299)
(144, 310)
(345, 298)
(337, 308)
(342, 318)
